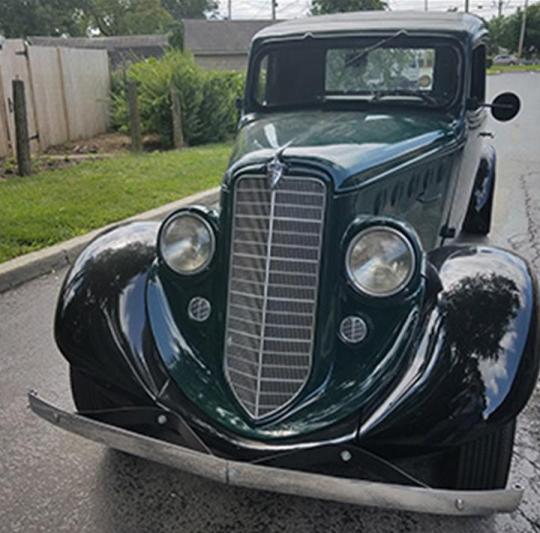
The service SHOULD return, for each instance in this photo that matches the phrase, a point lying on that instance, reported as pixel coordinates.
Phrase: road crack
(533, 229)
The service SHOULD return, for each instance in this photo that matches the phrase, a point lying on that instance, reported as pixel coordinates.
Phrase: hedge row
(208, 98)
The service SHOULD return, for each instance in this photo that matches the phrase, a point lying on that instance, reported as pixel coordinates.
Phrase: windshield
(367, 70)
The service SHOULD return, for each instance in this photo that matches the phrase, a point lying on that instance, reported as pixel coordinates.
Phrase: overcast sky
(261, 9)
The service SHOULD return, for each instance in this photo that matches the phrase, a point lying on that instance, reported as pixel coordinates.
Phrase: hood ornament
(274, 171)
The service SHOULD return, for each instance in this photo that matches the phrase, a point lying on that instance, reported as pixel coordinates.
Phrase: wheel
(478, 221)
(86, 394)
(485, 462)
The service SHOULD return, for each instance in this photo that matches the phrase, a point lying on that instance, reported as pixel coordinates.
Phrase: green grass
(55, 205)
(512, 68)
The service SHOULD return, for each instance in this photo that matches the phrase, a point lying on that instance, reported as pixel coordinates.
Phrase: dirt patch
(74, 152)
(107, 143)
(41, 163)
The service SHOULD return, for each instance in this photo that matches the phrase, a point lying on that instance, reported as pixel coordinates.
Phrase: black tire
(479, 222)
(87, 395)
(484, 463)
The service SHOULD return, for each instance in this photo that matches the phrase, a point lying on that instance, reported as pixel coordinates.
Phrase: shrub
(207, 98)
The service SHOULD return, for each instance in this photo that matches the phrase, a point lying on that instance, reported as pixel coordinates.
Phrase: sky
(261, 9)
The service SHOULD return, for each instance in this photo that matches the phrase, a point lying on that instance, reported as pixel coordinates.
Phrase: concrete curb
(32, 265)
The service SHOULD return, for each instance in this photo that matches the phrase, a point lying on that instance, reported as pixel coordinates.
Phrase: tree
(126, 17)
(504, 31)
(322, 7)
(180, 9)
(20, 18)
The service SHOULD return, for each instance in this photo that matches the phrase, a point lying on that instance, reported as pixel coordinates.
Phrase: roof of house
(380, 21)
(221, 36)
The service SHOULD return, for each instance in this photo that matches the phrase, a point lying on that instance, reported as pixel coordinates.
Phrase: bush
(207, 98)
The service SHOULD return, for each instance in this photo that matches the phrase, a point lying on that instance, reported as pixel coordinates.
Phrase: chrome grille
(274, 274)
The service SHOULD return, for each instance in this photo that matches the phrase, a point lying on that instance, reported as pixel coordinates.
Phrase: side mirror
(505, 106)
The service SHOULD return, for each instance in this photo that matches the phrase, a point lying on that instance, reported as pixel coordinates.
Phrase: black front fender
(476, 361)
(100, 323)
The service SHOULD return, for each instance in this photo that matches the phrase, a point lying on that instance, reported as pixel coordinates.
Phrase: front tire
(484, 463)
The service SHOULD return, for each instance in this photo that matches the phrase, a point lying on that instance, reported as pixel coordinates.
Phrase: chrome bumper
(240, 474)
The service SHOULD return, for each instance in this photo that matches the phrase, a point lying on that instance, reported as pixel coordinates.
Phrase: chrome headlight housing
(187, 242)
(380, 261)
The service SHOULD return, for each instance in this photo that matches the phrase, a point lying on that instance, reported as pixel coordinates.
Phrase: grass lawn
(56, 205)
(512, 68)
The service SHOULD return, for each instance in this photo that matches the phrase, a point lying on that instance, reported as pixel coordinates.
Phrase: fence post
(22, 141)
(134, 117)
(176, 108)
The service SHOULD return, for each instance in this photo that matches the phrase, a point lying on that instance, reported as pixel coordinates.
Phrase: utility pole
(274, 5)
(425, 5)
(229, 9)
(466, 6)
(500, 7)
(522, 32)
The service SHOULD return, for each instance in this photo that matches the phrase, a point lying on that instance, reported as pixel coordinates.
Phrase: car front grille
(273, 282)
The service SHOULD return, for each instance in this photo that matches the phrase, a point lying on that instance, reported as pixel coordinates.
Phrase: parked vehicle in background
(322, 333)
(505, 60)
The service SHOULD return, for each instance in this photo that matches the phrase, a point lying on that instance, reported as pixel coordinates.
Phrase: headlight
(187, 243)
(380, 261)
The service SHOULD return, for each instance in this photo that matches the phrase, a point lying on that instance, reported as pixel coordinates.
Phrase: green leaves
(504, 31)
(22, 18)
(323, 7)
(208, 99)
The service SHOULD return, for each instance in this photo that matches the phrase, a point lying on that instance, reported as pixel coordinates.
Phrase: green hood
(353, 146)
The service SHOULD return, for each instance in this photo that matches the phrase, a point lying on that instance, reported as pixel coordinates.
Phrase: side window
(478, 79)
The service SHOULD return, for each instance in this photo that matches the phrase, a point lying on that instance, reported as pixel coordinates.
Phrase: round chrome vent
(199, 309)
(353, 329)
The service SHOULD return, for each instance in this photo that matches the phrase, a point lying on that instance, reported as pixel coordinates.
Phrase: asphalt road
(53, 481)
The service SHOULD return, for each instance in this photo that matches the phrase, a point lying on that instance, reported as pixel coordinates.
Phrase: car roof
(377, 21)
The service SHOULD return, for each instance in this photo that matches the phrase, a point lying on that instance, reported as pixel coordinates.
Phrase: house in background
(215, 44)
(221, 44)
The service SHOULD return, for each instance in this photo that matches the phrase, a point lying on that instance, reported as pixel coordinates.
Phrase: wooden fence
(67, 93)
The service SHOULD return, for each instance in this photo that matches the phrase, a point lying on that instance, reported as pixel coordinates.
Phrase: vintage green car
(323, 332)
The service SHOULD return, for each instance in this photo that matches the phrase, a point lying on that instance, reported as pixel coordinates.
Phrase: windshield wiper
(378, 44)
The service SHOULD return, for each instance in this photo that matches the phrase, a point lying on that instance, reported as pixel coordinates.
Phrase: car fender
(476, 360)
(100, 322)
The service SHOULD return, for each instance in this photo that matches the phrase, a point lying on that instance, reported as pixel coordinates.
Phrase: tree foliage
(504, 31)
(126, 17)
(323, 7)
(207, 98)
(21, 18)
(189, 9)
